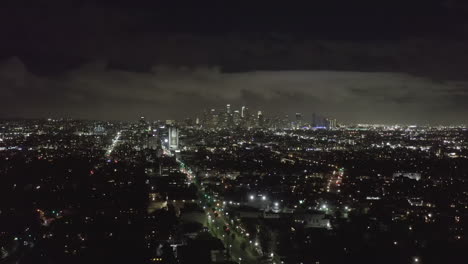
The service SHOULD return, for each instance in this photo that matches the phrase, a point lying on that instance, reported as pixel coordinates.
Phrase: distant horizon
(461, 125)
(97, 92)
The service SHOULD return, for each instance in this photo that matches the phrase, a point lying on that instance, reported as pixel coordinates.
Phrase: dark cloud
(427, 38)
(390, 61)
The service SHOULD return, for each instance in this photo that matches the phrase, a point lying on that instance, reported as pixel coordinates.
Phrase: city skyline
(403, 98)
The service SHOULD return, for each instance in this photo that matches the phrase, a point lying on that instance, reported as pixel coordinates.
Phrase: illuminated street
(114, 143)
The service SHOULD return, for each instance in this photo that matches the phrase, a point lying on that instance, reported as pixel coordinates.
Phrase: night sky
(386, 62)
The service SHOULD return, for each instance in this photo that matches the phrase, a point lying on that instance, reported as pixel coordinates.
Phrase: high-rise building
(285, 122)
(260, 119)
(142, 125)
(213, 118)
(228, 108)
(298, 120)
(173, 135)
(247, 119)
(215, 121)
(331, 123)
(206, 119)
(236, 117)
(243, 112)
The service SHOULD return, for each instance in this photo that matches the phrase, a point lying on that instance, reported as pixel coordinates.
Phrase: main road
(217, 223)
(114, 143)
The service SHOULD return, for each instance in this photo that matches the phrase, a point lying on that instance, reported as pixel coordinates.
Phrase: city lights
(254, 132)
(240, 202)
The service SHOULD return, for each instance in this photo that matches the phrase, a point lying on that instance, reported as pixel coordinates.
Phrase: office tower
(213, 118)
(260, 119)
(228, 120)
(236, 117)
(206, 119)
(228, 108)
(298, 120)
(285, 122)
(331, 123)
(173, 138)
(247, 115)
(243, 112)
(215, 121)
(142, 124)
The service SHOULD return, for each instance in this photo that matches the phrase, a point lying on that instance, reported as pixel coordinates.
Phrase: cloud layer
(95, 91)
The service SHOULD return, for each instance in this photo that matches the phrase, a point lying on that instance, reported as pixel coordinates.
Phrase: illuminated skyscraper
(173, 138)
(298, 120)
(242, 111)
(228, 108)
(285, 122)
(142, 125)
(331, 123)
(260, 119)
(236, 117)
(213, 118)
